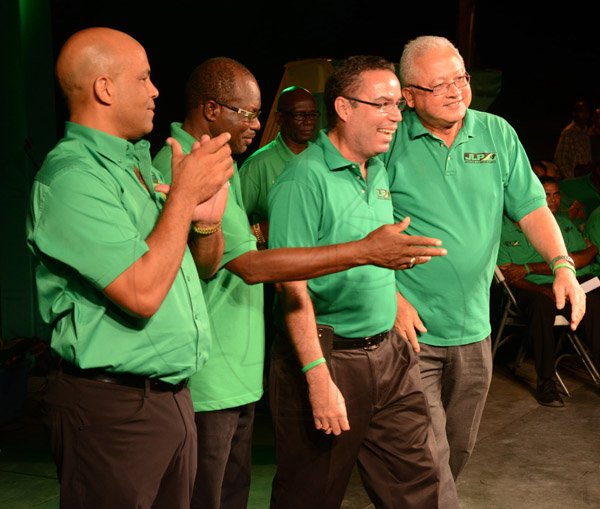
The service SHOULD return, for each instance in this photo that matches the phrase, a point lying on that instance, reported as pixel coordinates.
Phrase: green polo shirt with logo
(88, 221)
(258, 174)
(320, 199)
(592, 229)
(233, 375)
(458, 195)
(515, 248)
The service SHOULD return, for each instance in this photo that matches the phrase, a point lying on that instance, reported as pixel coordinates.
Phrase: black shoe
(547, 394)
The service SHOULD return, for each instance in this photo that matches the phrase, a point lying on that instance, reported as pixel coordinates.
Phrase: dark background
(548, 57)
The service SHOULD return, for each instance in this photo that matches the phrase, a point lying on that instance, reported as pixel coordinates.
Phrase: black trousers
(118, 446)
(224, 458)
(390, 437)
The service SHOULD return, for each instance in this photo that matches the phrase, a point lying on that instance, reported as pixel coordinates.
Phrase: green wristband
(312, 364)
(567, 265)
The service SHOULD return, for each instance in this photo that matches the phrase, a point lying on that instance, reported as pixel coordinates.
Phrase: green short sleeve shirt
(258, 174)
(233, 375)
(88, 221)
(582, 189)
(320, 199)
(592, 229)
(515, 248)
(458, 195)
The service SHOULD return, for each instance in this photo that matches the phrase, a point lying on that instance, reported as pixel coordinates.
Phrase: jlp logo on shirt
(480, 157)
(383, 194)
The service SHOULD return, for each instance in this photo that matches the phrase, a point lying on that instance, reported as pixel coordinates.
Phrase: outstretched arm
(386, 247)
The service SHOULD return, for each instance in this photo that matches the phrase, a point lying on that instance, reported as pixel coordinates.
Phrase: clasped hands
(202, 176)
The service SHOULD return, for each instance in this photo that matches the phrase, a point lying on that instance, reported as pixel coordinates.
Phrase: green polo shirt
(458, 194)
(582, 189)
(233, 375)
(515, 248)
(592, 229)
(88, 221)
(320, 199)
(258, 174)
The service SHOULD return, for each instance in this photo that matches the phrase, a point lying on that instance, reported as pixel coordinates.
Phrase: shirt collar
(471, 124)
(185, 139)
(333, 158)
(112, 147)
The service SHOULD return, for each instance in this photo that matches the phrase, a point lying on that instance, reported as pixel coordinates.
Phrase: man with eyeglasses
(222, 95)
(344, 386)
(297, 116)
(453, 170)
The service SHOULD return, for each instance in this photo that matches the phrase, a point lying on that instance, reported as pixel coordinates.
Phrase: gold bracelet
(258, 233)
(206, 231)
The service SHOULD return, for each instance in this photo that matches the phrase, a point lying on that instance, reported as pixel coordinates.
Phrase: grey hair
(417, 47)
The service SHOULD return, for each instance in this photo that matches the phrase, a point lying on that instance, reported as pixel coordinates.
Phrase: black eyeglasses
(384, 107)
(442, 88)
(302, 116)
(249, 116)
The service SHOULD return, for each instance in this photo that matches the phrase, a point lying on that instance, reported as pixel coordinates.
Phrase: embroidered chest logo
(480, 157)
(383, 194)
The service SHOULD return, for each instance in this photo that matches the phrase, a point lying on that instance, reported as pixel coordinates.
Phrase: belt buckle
(370, 345)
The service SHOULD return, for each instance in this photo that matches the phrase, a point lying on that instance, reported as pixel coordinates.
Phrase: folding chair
(514, 317)
(511, 317)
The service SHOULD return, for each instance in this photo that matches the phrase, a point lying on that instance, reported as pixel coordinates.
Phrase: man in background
(297, 116)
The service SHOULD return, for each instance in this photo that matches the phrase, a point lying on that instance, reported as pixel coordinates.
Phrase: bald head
(292, 95)
(88, 54)
(105, 77)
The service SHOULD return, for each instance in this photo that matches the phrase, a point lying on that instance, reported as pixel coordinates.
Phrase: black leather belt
(368, 343)
(127, 379)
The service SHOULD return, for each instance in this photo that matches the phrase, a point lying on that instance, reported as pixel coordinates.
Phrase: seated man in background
(575, 209)
(584, 189)
(592, 229)
(531, 280)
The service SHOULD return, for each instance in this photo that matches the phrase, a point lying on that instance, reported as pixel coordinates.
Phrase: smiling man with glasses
(453, 171)
(344, 386)
(226, 389)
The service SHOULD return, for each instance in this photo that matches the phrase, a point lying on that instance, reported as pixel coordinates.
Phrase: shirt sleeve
(524, 192)
(80, 220)
(250, 187)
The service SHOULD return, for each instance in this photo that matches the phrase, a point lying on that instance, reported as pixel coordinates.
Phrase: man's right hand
(389, 247)
(203, 172)
(328, 404)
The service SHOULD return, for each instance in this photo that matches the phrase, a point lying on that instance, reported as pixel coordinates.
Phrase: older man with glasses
(453, 171)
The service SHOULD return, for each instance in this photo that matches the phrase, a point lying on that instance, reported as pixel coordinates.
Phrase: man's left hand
(566, 287)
